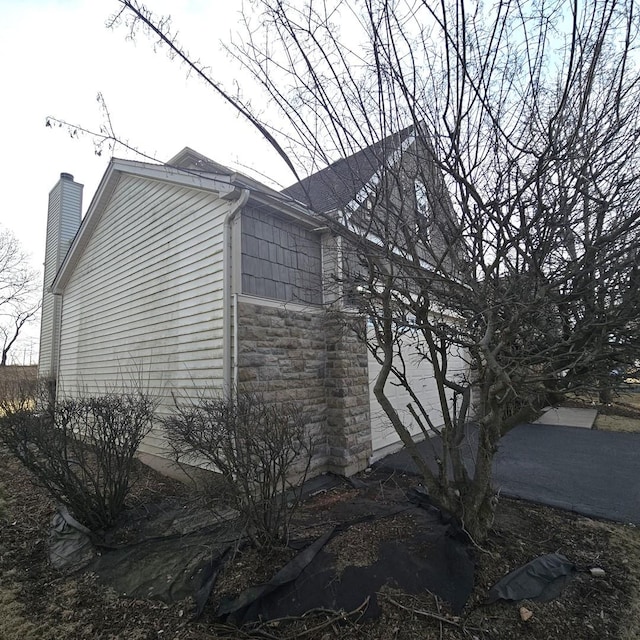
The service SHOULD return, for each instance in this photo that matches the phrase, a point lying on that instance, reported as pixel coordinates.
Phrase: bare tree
(500, 223)
(19, 302)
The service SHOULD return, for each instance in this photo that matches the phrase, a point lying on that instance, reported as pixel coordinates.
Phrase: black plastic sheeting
(541, 580)
(430, 560)
(69, 546)
(179, 552)
(249, 605)
(168, 570)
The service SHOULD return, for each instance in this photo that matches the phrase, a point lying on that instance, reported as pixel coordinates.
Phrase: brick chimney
(63, 221)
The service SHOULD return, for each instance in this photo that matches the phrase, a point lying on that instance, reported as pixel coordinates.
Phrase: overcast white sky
(58, 54)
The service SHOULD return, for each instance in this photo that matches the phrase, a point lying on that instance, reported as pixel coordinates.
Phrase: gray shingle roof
(333, 187)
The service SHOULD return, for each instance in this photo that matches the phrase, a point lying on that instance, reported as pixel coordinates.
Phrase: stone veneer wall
(311, 358)
(347, 389)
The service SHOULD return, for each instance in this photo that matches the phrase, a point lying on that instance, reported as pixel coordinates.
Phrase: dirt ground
(37, 602)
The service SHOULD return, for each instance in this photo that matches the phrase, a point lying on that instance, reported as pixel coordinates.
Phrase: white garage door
(384, 437)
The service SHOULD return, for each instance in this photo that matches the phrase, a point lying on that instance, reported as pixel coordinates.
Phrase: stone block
(247, 374)
(300, 357)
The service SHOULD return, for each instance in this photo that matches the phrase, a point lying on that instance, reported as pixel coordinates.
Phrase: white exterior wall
(145, 301)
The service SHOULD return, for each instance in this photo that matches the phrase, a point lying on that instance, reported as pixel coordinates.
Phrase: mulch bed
(39, 602)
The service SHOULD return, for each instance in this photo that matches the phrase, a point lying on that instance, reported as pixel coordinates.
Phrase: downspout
(229, 299)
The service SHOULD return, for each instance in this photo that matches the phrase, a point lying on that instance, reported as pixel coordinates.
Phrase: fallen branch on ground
(452, 621)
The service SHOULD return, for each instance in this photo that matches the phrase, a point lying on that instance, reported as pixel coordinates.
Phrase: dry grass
(18, 386)
(13, 622)
(631, 399)
(16, 625)
(623, 414)
(617, 423)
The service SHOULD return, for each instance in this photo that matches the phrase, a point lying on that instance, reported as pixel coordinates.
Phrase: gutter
(229, 300)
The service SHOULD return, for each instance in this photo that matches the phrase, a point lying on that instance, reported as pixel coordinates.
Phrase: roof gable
(191, 160)
(216, 183)
(187, 169)
(335, 187)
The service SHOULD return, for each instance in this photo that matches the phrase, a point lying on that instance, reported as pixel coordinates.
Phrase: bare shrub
(260, 450)
(81, 449)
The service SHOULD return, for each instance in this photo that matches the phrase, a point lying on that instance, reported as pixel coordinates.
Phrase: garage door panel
(420, 375)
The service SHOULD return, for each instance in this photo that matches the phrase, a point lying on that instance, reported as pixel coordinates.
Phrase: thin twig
(462, 622)
(453, 622)
(359, 611)
(437, 601)
(336, 616)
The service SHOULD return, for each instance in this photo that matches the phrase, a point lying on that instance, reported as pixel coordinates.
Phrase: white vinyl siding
(144, 303)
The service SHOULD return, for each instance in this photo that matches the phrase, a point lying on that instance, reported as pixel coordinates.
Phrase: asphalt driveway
(594, 473)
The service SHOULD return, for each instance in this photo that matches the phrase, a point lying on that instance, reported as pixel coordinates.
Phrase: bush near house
(260, 450)
(81, 450)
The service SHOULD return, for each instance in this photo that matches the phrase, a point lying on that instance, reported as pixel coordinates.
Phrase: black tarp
(542, 580)
(173, 552)
(428, 560)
